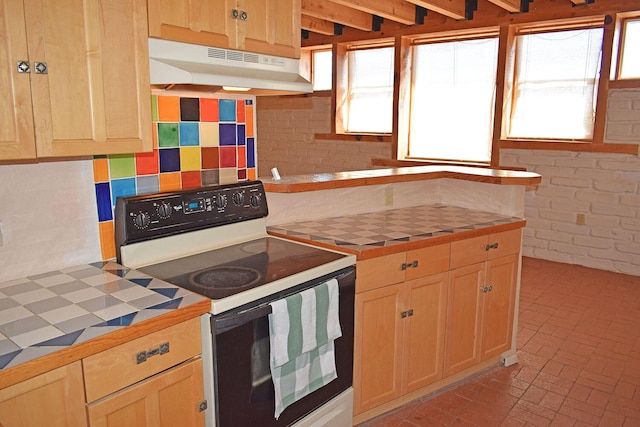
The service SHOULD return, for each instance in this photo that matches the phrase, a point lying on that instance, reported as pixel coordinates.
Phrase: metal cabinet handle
(407, 313)
(235, 13)
(202, 406)
(413, 264)
(410, 312)
(491, 246)
(488, 288)
(144, 355)
(24, 66)
(41, 67)
(243, 16)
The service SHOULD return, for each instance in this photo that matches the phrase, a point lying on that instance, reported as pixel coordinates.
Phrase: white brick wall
(604, 187)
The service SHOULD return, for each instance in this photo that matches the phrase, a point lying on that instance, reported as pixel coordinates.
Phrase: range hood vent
(189, 66)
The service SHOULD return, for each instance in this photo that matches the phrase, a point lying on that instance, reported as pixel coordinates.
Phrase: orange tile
(107, 240)
(251, 174)
(170, 181)
(169, 108)
(240, 113)
(101, 170)
(250, 129)
(209, 110)
(242, 157)
(147, 163)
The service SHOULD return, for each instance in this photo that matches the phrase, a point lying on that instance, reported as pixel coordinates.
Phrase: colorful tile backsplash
(197, 141)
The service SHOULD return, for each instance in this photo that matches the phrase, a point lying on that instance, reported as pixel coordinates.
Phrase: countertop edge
(329, 181)
(40, 365)
(407, 246)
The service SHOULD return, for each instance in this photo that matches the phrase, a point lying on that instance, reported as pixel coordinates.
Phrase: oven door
(243, 386)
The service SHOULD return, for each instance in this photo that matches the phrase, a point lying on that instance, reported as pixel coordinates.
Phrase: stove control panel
(145, 217)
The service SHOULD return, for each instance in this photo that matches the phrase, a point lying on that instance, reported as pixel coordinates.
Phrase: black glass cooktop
(226, 271)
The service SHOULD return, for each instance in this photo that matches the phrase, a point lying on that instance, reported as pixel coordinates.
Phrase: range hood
(176, 65)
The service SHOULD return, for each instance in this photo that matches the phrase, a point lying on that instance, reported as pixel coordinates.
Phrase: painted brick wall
(286, 128)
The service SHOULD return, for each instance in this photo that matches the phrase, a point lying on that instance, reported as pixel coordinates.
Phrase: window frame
(622, 19)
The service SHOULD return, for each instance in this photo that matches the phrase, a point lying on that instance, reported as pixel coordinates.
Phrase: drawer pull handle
(160, 350)
(407, 313)
(492, 246)
(487, 288)
(413, 264)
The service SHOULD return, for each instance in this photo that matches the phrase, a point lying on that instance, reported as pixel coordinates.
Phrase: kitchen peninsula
(438, 271)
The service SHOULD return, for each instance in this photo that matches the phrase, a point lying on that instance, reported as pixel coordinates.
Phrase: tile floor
(579, 359)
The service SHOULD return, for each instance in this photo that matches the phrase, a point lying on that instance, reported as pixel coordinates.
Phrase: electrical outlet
(388, 196)
(580, 219)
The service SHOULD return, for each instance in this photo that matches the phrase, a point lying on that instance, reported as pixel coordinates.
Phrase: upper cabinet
(75, 75)
(271, 27)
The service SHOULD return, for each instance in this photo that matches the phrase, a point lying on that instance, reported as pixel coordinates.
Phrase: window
(555, 84)
(452, 100)
(322, 69)
(368, 98)
(630, 48)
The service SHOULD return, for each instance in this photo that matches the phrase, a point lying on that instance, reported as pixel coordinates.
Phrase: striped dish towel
(302, 328)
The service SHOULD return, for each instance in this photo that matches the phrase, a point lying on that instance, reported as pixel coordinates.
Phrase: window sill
(593, 147)
(355, 138)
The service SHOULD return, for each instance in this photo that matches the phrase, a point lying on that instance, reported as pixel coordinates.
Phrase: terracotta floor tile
(578, 359)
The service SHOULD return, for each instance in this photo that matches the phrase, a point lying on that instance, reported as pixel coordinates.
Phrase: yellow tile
(170, 181)
(209, 135)
(190, 158)
(107, 240)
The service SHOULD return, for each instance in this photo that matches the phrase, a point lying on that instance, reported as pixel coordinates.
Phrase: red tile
(147, 163)
(209, 110)
(191, 179)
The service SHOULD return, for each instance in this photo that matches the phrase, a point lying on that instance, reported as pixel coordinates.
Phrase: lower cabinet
(412, 332)
(52, 399)
(154, 380)
(168, 399)
(399, 332)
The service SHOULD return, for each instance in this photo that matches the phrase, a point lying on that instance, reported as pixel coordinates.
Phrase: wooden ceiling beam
(393, 10)
(334, 12)
(316, 25)
(510, 5)
(455, 9)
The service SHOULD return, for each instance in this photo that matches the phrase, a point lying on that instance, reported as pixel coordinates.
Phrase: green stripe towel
(302, 328)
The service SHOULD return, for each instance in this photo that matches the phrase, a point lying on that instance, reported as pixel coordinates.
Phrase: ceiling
(331, 17)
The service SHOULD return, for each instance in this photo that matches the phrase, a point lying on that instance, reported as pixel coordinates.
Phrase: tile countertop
(56, 313)
(380, 233)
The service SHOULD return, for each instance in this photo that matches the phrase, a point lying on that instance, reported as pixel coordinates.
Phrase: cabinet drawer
(118, 367)
(481, 248)
(430, 260)
(381, 271)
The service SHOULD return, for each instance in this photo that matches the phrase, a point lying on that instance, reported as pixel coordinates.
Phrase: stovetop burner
(231, 277)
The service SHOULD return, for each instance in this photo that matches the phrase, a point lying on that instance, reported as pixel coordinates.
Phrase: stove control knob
(238, 198)
(164, 210)
(254, 200)
(220, 200)
(142, 220)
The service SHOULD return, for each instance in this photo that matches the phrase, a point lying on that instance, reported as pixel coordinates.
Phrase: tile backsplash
(197, 141)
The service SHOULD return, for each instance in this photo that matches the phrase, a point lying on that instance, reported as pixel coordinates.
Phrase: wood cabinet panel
(53, 399)
(378, 347)
(431, 260)
(463, 318)
(424, 333)
(499, 305)
(270, 27)
(382, 271)
(165, 400)
(94, 96)
(114, 369)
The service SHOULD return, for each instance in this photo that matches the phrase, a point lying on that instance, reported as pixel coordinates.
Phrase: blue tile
(169, 159)
(141, 282)
(120, 321)
(227, 110)
(103, 199)
(189, 134)
(167, 292)
(227, 134)
(173, 304)
(241, 134)
(251, 153)
(5, 359)
(122, 188)
(248, 102)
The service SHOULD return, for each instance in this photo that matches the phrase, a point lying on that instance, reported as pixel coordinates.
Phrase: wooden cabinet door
(464, 313)
(272, 27)
(53, 399)
(94, 97)
(424, 331)
(16, 118)
(378, 347)
(165, 400)
(499, 304)
(204, 22)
